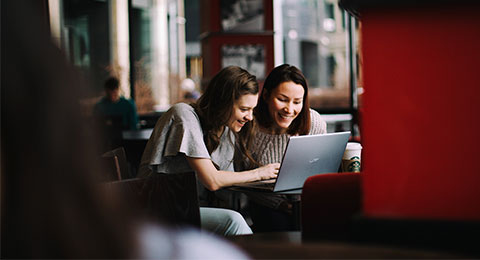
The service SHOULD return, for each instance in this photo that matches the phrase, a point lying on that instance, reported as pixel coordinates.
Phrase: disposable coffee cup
(352, 158)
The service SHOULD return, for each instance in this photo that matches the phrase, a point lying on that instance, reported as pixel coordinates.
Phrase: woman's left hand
(269, 171)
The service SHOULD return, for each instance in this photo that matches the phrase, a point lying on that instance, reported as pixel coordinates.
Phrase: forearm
(227, 178)
(214, 179)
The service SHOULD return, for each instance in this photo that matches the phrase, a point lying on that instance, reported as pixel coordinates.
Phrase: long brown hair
(215, 106)
(280, 74)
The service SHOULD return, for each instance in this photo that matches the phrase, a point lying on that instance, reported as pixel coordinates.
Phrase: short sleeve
(318, 125)
(176, 134)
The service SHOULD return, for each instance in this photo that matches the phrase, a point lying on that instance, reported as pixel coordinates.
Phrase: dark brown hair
(112, 83)
(280, 74)
(215, 106)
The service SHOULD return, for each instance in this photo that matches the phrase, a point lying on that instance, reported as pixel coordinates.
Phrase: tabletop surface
(141, 134)
(289, 245)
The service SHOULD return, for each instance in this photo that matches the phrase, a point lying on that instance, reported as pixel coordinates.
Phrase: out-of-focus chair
(115, 165)
(110, 130)
(331, 208)
(168, 198)
(328, 204)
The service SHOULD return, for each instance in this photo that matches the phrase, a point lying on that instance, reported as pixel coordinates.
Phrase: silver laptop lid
(308, 155)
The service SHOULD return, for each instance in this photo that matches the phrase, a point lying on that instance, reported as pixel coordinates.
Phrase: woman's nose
(287, 108)
(249, 116)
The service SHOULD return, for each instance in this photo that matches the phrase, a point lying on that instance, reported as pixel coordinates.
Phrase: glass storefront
(315, 39)
(150, 43)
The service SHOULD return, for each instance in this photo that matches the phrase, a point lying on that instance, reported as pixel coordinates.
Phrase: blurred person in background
(113, 104)
(190, 94)
(51, 206)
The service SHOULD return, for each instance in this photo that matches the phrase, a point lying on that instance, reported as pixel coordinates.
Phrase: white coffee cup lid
(353, 146)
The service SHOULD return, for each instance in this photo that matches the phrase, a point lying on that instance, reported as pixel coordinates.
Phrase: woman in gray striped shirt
(283, 110)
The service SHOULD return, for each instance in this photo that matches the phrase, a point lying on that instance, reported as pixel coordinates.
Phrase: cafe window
(163, 47)
(141, 55)
(317, 38)
(138, 41)
(316, 41)
(85, 39)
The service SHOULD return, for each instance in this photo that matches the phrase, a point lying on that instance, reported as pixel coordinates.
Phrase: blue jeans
(223, 222)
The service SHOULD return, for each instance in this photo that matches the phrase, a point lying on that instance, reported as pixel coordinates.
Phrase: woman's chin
(236, 128)
(284, 125)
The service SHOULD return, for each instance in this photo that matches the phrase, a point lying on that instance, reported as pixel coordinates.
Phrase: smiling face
(285, 103)
(242, 111)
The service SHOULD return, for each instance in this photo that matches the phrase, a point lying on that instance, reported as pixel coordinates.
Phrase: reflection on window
(313, 34)
(242, 16)
(85, 41)
(140, 39)
(315, 40)
(137, 41)
(250, 56)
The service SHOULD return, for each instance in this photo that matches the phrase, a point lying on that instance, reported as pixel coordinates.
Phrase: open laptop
(305, 156)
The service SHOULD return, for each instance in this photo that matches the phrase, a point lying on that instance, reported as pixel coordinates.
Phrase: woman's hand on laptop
(268, 171)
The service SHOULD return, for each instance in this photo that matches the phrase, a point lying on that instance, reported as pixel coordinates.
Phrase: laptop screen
(308, 155)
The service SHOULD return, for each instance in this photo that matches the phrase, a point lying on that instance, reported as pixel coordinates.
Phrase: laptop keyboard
(262, 185)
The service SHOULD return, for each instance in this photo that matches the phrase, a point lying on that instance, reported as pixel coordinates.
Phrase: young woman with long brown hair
(202, 137)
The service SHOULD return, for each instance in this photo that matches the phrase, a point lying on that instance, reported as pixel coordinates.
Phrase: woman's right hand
(269, 171)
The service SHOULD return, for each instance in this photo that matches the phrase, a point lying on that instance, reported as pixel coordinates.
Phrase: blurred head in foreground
(50, 205)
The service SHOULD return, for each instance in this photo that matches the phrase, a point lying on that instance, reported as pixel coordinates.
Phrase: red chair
(329, 201)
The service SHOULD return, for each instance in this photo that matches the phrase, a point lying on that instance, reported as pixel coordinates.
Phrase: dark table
(296, 210)
(289, 245)
(141, 134)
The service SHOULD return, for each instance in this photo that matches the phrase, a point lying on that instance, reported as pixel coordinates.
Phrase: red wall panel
(421, 123)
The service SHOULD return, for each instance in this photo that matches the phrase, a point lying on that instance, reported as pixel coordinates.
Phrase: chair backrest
(110, 128)
(328, 203)
(116, 165)
(134, 150)
(169, 198)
